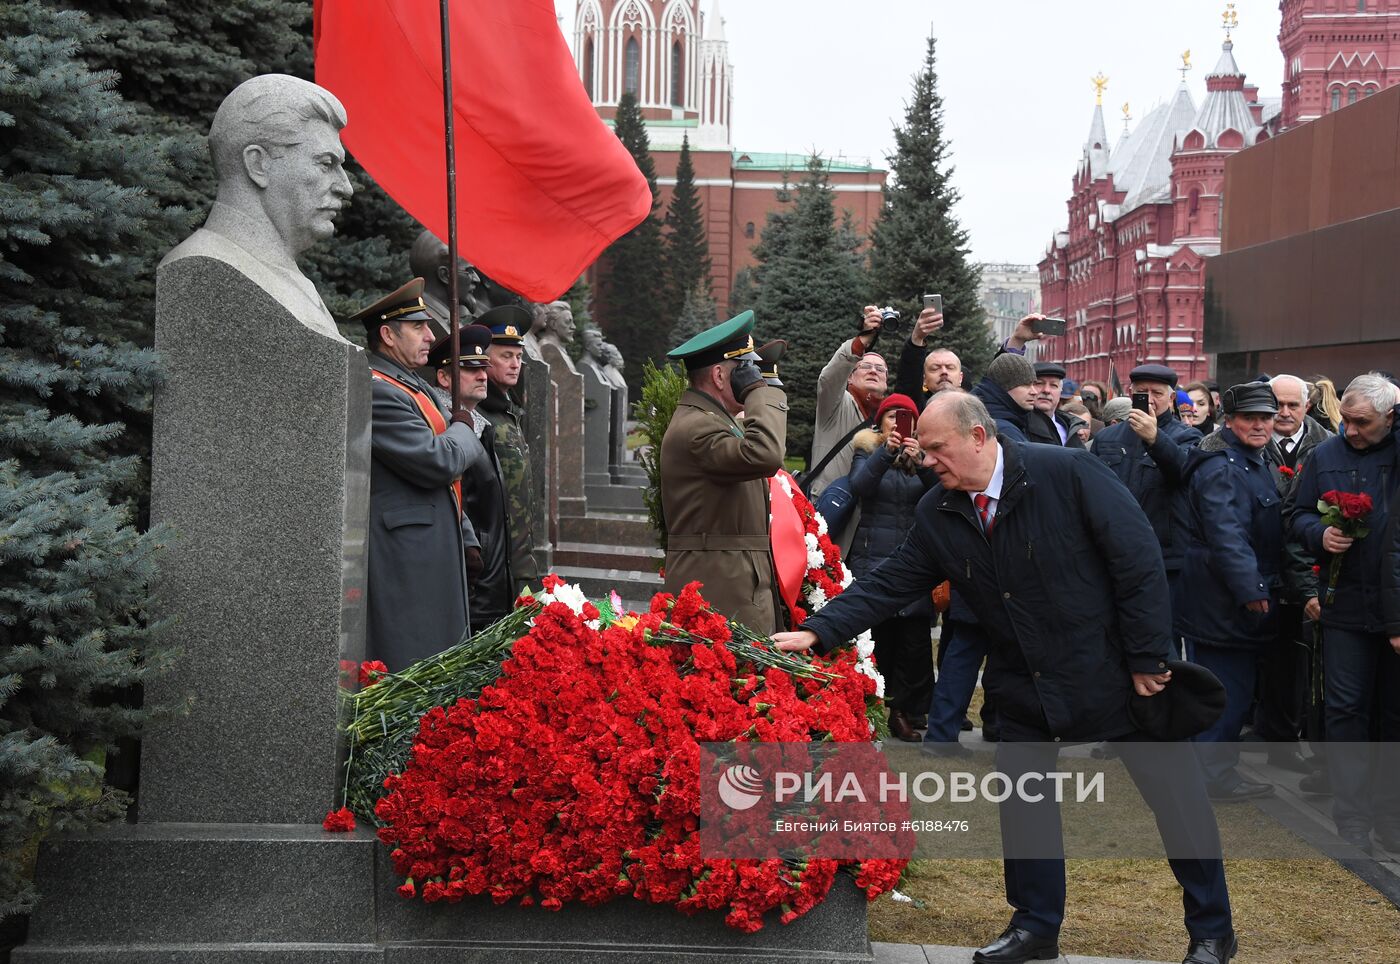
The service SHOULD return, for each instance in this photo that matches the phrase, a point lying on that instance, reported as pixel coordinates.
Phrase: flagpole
(453, 304)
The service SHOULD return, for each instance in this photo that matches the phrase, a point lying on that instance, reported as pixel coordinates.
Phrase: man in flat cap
(506, 354)
(1148, 453)
(715, 471)
(417, 596)
(1226, 596)
(486, 524)
(1046, 422)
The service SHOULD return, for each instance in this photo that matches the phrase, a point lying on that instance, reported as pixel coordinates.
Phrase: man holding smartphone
(1148, 453)
(921, 373)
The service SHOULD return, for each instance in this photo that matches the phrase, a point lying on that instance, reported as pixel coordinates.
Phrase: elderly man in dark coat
(1000, 509)
(714, 475)
(1148, 453)
(1226, 597)
(417, 595)
(1361, 669)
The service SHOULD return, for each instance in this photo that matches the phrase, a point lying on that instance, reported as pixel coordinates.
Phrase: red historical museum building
(1128, 273)
(675, 59)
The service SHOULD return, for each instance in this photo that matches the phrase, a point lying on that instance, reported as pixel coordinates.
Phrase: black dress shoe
(1290, 760)
(952, 751)
(991, 734)
(919, 722)
(1316, 783)
(901, 729)
(1211, 950)
(966, 725)
(1016, 945)
(1244, 790)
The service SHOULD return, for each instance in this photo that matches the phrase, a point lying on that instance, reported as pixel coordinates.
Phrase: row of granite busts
(553, 323)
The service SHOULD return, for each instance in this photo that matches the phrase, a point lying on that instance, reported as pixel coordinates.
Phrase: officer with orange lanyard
(417, 597)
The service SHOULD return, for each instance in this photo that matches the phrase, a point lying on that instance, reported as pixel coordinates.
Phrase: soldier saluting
(417, 593)
(715, 471)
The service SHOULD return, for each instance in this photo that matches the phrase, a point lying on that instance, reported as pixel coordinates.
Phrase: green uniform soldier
(715, 472)
(508, 324)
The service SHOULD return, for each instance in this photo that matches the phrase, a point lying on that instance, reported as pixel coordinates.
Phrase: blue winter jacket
(1234, 550)
(1069, 603)
(1336, 465)
(888, 497)
(1154, 475)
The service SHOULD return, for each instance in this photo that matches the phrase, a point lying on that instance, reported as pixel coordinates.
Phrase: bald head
(942, 371)
(959, 439)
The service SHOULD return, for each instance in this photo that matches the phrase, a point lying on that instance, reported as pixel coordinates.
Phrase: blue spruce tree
(77, 214)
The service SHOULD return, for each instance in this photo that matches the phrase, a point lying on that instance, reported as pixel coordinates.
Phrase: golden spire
(1126, 117)
(1228, 20)
(1100, 82)
(1185, 63)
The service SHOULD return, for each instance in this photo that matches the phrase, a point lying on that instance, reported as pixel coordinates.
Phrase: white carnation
(821, 523)
(816, 599)
(785, 485)
(865, 646)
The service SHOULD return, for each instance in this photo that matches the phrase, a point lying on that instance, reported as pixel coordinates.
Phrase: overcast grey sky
(834, 75)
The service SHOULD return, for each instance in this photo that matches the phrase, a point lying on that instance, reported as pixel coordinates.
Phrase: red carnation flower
(339, 821)
(371, 672)
(1285, 471)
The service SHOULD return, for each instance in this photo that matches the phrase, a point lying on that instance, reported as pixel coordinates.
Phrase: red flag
(543, 185)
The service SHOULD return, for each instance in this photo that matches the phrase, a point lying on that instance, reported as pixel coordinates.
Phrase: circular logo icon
(740, 787)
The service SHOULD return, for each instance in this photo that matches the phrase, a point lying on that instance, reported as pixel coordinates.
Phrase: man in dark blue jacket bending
(1059, 674)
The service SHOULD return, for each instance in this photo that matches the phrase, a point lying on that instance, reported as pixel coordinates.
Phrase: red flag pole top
(549, 184)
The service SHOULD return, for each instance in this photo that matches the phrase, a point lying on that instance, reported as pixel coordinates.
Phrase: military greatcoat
(714, 493)
(417, 597)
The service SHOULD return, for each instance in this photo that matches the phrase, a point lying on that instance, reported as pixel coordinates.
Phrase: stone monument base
(294, 894)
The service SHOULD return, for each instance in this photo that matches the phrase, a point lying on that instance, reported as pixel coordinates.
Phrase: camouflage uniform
(513, 451)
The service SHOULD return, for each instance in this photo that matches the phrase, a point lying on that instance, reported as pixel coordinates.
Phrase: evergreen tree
(743, 293)
(687, 248)
(78, 210)
(917, 245)
(698, 313)
(631, 299)
(811, 287)
(178, 61)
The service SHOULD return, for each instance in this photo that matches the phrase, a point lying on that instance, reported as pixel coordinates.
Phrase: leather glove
(771, 353)
(745, 378)
(475, 564)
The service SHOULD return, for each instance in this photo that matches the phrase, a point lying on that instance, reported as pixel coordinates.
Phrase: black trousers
(1035, 886)
(904, 656)
(1283, 681)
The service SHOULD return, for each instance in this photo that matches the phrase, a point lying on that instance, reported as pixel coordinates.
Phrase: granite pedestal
(598, 426)
(538, 401)
(567, 460)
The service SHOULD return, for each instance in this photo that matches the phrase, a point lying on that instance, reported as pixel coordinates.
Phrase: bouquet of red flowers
(574, 775)
(1347, 512)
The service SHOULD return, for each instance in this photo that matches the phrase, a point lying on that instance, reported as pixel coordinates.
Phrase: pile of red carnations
(575, 775)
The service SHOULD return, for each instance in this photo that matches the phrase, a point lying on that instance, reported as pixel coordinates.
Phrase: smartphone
(904, 422)
(1048, 326)
(934, 301)
(1140, 401)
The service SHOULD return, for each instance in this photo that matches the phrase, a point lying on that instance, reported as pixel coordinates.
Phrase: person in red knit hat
(887, 479)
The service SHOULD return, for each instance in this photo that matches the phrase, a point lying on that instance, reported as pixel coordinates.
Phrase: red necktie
(983, 502)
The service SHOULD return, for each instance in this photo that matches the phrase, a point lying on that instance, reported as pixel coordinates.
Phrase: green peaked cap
(729, 339)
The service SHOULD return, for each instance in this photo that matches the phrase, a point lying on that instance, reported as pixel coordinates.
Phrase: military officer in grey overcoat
(715, 472)
(417, 594)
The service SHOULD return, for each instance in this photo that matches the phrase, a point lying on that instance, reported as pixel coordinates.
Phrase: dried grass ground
(1286, 911)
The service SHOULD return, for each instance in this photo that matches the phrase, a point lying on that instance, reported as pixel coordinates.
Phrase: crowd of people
(1086, 554)
(1082, 554)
